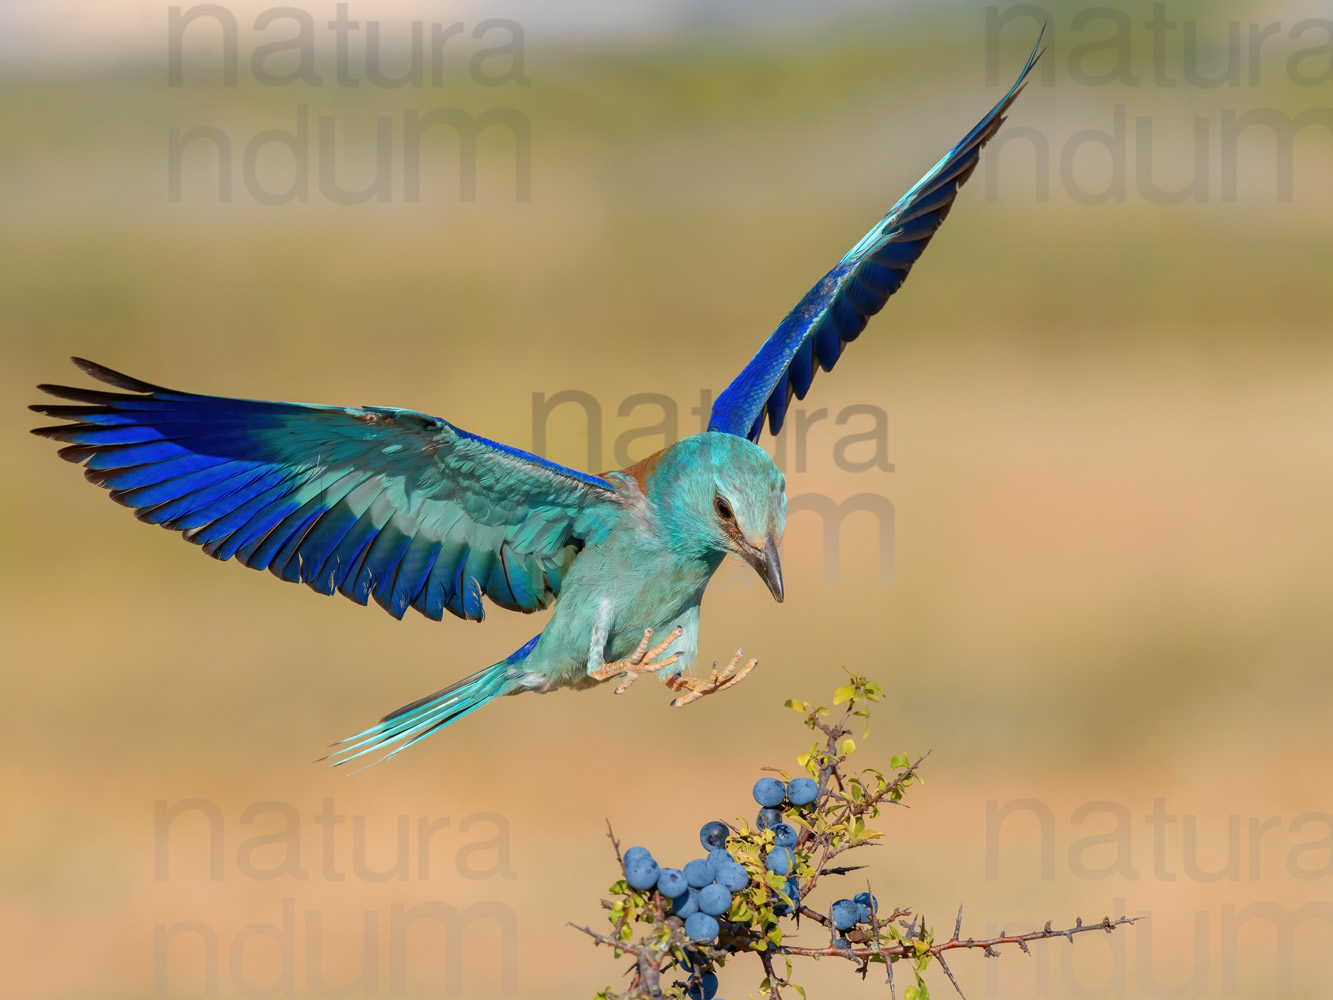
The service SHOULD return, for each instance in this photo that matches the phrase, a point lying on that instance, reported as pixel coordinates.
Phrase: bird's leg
(696, 687)
(643, 660)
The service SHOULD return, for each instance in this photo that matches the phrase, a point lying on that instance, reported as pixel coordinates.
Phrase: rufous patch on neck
(643, 468)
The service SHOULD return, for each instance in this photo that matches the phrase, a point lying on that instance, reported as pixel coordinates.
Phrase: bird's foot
(697, 687)
(643, 661)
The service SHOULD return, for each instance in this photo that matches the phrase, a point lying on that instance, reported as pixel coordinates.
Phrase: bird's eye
(723, 508)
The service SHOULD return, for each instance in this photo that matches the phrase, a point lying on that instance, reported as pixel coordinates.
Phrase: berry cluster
(699, 893)
(704, 892)
(732, 902)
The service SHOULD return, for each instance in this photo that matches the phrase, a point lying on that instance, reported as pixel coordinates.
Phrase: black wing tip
(60, 409)
(1037, 50)
(98, 398)
(1023, 78)
(52, 431)
(112, 377)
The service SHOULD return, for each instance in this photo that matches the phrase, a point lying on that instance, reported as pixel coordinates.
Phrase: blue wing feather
(370, 502)
(834, 312)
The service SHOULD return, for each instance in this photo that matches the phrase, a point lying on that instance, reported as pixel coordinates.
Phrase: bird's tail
(403, 727)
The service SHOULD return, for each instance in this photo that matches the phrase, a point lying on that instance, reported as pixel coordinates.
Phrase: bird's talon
(642, 661)
(696, 687)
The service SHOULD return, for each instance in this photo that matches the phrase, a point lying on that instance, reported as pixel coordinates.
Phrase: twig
(766, 956)
(902, 950)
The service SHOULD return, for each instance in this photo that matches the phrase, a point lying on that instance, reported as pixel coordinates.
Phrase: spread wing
(370, 502)
(835, 311)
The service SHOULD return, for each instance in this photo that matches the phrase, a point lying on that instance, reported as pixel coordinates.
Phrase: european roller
(408, 510)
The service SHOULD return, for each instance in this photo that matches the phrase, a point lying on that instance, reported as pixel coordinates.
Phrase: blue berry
(671, 882)
(802, 791)
(704, 989)
(686, 903)
(768, 818)
(698, 873)
(732, 877)
(714, 900)
(792, 890)
(781, 861)
(784, 835)
(865, 902)
(769, 792)
(701, 927)
(718, 858)
(713, 835)
(842, 944)
(845, 914)
(641, 872)
(636, 852)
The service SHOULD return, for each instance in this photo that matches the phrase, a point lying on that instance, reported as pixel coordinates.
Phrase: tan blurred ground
(1112, 481)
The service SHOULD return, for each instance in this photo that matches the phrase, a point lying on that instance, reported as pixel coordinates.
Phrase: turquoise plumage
(413, 512)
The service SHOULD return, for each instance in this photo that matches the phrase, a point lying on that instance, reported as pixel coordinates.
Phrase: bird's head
(722, 495)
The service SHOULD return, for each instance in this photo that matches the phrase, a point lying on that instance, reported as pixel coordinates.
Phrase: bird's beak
(766, 564)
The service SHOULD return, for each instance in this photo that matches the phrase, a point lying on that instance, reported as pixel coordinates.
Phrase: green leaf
(898, 760)
(797, 821)
(845, 693)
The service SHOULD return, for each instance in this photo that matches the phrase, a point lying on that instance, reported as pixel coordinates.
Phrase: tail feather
(405, 726)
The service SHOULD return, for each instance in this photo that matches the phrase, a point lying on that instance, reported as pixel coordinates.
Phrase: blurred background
(1087, 449)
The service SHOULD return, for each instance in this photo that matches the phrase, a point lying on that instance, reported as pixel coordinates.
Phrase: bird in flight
(407, 509)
